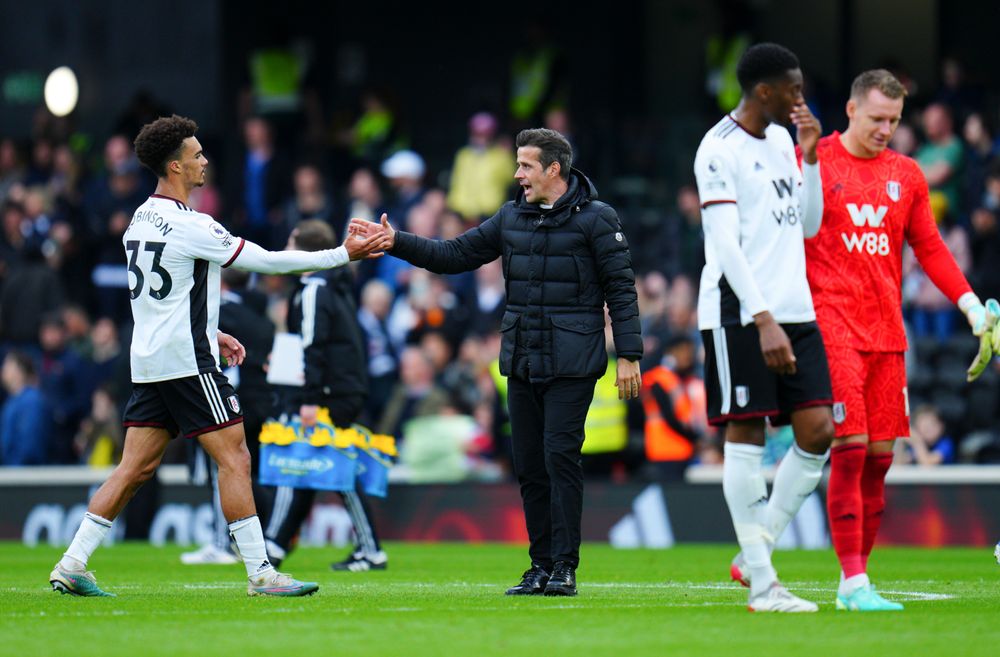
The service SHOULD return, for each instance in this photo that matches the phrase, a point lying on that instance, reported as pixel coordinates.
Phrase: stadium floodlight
(61, 91)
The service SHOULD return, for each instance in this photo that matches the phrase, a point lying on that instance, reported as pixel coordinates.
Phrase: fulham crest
(742, 396)
(892, 188)
(234, 403)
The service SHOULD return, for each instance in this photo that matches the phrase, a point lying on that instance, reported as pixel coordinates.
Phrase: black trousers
(546, 435)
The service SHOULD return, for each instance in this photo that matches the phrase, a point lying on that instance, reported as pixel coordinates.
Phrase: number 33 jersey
(854, 264)
(174, 257)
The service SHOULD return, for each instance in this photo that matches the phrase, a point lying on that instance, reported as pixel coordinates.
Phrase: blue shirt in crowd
(24, 429)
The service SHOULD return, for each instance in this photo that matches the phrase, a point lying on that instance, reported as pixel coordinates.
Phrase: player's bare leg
(228, 448)
(746, 495)
(144, 447)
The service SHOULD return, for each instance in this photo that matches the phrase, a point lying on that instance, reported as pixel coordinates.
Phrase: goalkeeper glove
(983, 320)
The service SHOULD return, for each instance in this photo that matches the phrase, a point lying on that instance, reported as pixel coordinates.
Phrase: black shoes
(533, 582)
(358, 562)
(563, 580)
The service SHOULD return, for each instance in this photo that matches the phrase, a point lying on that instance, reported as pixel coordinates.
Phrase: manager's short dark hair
(160, 142)
(764, 62)
(554, 147)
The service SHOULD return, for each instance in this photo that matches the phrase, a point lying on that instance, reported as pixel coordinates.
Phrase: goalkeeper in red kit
(874, 200)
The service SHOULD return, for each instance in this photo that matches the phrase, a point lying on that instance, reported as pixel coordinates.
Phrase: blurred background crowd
(287, 149)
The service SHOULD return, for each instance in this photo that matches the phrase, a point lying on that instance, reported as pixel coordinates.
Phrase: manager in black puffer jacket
(564, 256)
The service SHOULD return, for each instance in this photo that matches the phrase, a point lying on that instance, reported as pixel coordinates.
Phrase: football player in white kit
(764, 355)
(175, 256)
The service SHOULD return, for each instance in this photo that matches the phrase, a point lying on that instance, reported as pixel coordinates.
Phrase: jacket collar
(580, 192)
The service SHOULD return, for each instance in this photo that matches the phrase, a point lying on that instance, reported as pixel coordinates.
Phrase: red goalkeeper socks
(845, 507)
(873, 500)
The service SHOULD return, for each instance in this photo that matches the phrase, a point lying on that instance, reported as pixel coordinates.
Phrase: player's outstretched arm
(254, 258)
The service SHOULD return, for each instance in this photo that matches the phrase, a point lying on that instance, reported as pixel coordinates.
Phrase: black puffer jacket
(561, 266)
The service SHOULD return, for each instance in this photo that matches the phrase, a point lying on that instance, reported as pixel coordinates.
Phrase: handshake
(983, 319)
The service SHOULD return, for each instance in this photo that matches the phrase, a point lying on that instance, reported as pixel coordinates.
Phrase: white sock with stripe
(797, 476)
(249, 539)
(746, 495)
(92, 531)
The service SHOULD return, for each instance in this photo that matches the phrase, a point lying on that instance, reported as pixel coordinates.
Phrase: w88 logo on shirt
(870, 242)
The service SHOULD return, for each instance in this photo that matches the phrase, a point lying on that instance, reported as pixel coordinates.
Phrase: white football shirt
(174, 257)
(760, 175)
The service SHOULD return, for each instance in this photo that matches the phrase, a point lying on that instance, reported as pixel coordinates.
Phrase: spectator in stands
(24, 418)
(928, 443)
(106, 356)
(78, 326)
(65, 382)
(99, 441)
(985, 247)
(110, 276)
(960, 97)
(942, 156)
(405, 172)
(120, 186)
(686, 236)
(364, 197)
(933, 313)
(376, 133)
(980, 156)
(416, 395)
(480, 175)
(40, 168)
(491, 296)
(673, 398)
(904, 140)
(11, 169)
(37, 222)
(30, 289)
(309, 200)
(261, 185)
(383, 365)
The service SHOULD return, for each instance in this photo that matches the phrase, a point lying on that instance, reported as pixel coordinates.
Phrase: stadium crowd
(433, 341)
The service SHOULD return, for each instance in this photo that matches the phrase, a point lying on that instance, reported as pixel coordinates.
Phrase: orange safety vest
(662, 442)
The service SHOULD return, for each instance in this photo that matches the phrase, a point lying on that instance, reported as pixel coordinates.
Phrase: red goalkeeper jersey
(854, 265)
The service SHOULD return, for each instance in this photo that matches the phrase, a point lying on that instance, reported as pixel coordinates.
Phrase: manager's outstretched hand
(366, 244)
(362, 228)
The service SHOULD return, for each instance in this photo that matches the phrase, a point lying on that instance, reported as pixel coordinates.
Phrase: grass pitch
(444, 600)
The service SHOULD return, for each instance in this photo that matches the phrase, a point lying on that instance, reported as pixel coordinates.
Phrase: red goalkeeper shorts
(869, 393)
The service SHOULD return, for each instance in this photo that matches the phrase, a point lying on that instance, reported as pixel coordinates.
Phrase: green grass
(447, 599)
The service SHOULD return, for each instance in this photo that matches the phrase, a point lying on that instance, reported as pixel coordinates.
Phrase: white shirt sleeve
(721, 221)
(252, 257)
(811, 202)
(207, 239)
(715, 170)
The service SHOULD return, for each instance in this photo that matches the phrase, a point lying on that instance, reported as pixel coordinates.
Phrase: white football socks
(850, 584)
(92, 531)
(746, 495)
(249, 539)
(797, 476)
